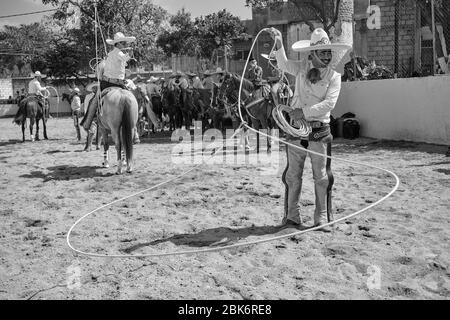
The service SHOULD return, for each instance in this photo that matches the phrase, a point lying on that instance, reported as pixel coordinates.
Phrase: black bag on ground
(351, 128)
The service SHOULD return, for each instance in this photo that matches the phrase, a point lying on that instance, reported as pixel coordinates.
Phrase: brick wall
(6, 88)
(381, 43)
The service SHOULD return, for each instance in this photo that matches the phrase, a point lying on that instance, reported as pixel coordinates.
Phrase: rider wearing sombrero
(211, 77)
(317, 89)
(113, 72)
(34, 93)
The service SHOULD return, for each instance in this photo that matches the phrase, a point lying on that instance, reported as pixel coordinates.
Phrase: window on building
(241, 54)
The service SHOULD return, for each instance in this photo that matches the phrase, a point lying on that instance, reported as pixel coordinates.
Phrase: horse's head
(227, 87)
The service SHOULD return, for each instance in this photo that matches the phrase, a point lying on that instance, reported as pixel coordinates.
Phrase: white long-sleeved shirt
(316, 100)
(34, 87)
(197, 83)
(76, 103)
(115, 64)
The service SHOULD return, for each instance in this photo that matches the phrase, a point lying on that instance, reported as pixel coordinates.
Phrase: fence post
(433, 29)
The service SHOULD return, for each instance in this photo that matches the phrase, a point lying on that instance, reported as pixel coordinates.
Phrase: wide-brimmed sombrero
(120, 37)
(176, 74)
(319, 41)
(138, 79)
(270, 57)
(153, 79)
(38, 74)
(208, 73)
(91, 86)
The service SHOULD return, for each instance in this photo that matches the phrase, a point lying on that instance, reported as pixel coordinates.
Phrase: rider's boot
(92, 110)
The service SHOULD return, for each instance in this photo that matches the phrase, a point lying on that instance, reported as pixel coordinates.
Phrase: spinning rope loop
(236, 245)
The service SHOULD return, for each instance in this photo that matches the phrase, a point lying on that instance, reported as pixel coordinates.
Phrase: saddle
(103, 94)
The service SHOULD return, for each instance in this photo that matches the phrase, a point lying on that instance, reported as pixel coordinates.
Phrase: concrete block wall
(6, 88)
(381, 42)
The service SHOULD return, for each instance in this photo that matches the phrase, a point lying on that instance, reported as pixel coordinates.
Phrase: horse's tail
(127, 128)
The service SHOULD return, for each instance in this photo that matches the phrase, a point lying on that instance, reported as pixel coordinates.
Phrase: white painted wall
(9, 110)
(413, 109)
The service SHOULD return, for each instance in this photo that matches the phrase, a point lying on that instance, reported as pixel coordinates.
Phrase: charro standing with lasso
(317, 90)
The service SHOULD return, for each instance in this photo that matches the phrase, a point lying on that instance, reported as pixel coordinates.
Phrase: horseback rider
(211, 78)
(113, 72)
(196, 82)
(153, 88)
(317, 89)
(34, 92)
(279, 89)
(255, 73)
(75, 105)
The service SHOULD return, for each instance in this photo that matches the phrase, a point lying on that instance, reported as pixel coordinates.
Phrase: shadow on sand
(66, 172)
(216, 237)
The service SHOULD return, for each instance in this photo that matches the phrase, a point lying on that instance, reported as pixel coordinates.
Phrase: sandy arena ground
(47, 185)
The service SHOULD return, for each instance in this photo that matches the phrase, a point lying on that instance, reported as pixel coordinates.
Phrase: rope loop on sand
(236, 245)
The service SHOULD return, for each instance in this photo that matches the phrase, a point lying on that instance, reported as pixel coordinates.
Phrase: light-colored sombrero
(91, 86)
(176, 74)
(76, 90)
(153, 79)
(190, 74)
(208, 73)
(120, 37)
(38, 74)
(319, 41)
(269, 57)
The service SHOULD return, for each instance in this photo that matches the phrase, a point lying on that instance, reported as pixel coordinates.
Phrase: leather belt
(317, 124)
(112, 80)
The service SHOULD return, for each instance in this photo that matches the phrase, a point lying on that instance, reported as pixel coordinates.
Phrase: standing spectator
(76, 111)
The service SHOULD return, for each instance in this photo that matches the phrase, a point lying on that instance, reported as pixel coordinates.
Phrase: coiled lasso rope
(303, 129)
(236, 245)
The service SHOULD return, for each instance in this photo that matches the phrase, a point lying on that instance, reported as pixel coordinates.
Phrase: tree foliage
(139, 18)
(26, 44)
(201, 37)
(324, 11)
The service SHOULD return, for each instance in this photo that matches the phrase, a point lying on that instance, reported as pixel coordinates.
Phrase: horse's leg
(104, 136)
(44, 123)
(23, 129)
(31, 128)
(37, 130)
(118, 143)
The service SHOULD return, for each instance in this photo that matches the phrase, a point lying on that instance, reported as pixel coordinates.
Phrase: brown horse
(257, 110)
(118, 116)
(30, 108)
